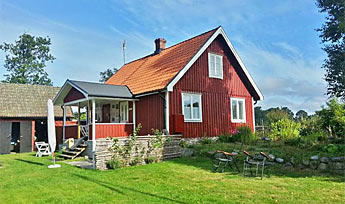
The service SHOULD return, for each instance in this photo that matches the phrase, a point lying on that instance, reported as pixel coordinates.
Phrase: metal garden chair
(225, 159)
(257, 161)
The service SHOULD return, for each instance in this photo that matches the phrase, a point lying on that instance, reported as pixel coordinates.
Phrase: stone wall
(330, 164)
(142, 150)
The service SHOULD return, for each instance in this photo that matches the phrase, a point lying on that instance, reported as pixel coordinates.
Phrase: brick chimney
(160, 45)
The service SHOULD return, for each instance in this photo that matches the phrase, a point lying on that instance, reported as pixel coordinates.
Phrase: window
(215, 66)
(123, 112)
(238, 111)
(191, 107)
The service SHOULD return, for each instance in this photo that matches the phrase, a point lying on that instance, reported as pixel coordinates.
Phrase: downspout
(165, 108)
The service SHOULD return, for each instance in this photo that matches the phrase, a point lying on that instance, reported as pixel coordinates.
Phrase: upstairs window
(238, 110)
(215, 66)
(191, 107)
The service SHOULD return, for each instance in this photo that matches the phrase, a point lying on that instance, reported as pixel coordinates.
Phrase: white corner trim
(219, 31)
(253, 114)
(167, 114)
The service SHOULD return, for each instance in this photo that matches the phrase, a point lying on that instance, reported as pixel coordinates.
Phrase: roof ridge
(171, 46)
(99, 83)
(18, 84)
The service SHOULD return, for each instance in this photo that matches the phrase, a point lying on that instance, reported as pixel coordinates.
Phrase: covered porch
(102, 110)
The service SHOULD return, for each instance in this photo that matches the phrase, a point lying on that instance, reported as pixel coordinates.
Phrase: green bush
(183, 144)
(135, 161)
(293, 141)
(334, 149)
(311, 130)
(225, 138)
(206, 140)
(285, 129)
(114, 164)
(245, 135)
(150, 160)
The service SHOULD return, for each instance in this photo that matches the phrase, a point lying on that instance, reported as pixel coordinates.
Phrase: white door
(124, 112)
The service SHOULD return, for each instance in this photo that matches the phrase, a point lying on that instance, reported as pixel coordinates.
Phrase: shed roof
(27, 101)
(93, 89)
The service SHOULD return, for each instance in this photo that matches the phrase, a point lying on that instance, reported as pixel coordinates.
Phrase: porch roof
(93, 90)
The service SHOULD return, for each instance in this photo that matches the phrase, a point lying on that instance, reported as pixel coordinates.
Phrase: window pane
(219, 68)
(187, 106)
(234, 109)
(212, 65)
(196, 110)
(241, 110)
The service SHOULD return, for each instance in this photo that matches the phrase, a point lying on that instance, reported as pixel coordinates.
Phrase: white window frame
(200, 107)
(126, 113)
(216, 75)
(236, 100)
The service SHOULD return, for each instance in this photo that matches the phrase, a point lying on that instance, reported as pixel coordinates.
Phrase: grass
(26, 179)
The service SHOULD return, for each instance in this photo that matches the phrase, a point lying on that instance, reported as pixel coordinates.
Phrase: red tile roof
(154, 72)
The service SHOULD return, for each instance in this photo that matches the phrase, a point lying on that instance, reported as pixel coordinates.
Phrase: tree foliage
(26, 60)
(107, 74)
(333, 118)
(333, 37)
(276, 114)
(301, 115)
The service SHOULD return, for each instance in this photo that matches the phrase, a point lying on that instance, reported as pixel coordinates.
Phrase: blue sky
(276, 39)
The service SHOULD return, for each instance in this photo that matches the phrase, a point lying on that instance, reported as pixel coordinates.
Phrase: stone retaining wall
(142, 149)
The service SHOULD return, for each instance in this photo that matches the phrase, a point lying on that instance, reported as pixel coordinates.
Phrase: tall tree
(301, 115)
(260, 117)
(333, 37)
(107, 74)
(288, 112)
(333, 118)
(26, 60)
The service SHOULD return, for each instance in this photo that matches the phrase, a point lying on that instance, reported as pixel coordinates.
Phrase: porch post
(63, 123)
(133, 111)
(93, 119)
(167, 111)
(78, 120)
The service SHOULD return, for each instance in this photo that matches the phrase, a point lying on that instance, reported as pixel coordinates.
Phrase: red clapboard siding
(149, 112)
(113, 130)
(216, 93)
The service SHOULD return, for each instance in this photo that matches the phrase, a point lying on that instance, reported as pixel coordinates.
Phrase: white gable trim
(219, 31)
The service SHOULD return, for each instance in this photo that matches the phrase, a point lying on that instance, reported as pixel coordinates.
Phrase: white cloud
(285, 80)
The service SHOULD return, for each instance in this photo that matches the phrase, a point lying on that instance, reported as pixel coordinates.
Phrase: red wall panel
(216, 93)
(149, 112)
(112, 130)
(73, 95)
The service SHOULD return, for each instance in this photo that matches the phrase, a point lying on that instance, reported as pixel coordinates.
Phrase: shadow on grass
(206, 163)
(29, 162)
(119, 189)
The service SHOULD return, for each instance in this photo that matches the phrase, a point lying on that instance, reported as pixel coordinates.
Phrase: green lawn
(26, 179)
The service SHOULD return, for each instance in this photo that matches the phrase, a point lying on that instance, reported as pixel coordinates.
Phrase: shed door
(26, 136)
(5, 137)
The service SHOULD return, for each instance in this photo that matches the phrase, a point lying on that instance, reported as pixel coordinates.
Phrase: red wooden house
(197, 87)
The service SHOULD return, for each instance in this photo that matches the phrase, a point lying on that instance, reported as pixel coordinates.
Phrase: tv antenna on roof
(124, 51)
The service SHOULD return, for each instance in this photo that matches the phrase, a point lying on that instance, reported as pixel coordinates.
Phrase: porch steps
(72, 154)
